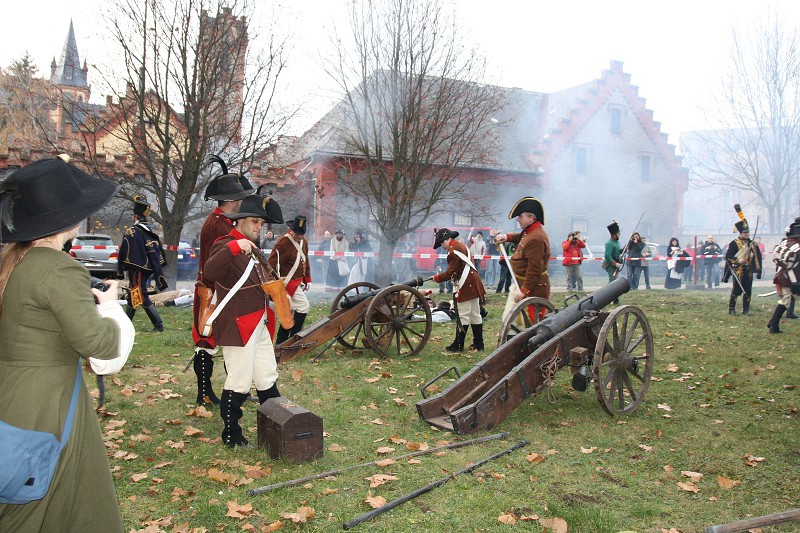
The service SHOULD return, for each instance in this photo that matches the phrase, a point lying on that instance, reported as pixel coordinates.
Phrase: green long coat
(49, 321)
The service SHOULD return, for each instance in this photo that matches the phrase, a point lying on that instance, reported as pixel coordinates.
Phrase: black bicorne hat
(298, 225)
(47, 197)
(442, 235)
(227, 187)
(613, 227)
(258, 206)
(794, 228)
(140, 206)
(529, 204)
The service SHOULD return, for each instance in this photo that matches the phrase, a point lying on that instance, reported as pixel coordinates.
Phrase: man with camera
(573, 257)
(635, 247)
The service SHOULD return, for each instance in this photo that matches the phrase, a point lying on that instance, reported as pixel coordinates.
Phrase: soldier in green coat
(49, 323)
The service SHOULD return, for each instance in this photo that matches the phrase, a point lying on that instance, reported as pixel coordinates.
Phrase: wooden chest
(289, 431)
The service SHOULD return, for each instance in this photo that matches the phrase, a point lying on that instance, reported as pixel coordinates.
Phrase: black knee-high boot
(282, 335)
(477, 340)
(791, 314)
(775, 322)
(230, 409)
(154, 317)
(299, 319)
(130, 310)
(732, 305)
(272, 392)
(458, 343)
(746, 304)
(203, 368)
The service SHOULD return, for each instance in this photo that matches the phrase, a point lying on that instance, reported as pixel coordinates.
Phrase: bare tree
(755, 145)
(414, 116)
(199, 80)
(25, 105)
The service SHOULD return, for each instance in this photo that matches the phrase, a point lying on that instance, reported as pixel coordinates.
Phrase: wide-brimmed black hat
(742, 226)
(140, 206)
(47, 197)
(613, 228)
(258, 206)
(529, 204)
(227, 187)
(442, 235)
(298, 225)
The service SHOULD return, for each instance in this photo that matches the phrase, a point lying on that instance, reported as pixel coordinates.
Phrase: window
(645, 162)
(460, 219)
(581, 160)
(615, 116)
(580, 224)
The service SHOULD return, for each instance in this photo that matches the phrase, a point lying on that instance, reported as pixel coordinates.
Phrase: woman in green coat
(49, 321)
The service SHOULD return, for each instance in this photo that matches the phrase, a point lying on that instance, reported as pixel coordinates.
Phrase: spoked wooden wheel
(519, 319)
(398, 322)
(356, 328)
(623, 360)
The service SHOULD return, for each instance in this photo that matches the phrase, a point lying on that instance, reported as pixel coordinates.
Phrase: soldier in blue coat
(142, 256)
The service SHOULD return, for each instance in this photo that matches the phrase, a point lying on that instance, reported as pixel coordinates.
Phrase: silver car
(97, 252)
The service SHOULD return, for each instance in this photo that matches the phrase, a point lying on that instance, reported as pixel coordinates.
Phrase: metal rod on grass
(759, 521)
(452, 445)
(427, 488)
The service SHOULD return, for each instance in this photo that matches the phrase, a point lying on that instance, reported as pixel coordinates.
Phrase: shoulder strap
(224, 302)
(73, 404)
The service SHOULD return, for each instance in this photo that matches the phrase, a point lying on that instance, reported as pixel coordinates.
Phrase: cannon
(395, 320)
(617, 346)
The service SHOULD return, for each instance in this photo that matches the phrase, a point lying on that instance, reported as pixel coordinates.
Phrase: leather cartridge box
(289, 431)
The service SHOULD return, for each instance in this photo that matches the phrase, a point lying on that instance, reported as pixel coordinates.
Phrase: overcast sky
(674, 50)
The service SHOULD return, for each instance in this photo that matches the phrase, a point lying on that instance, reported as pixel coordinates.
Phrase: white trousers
(253, 363)
(510, 303)
(469, 312)
(299, 301)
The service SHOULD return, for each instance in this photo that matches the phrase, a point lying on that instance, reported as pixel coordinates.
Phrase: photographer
(573, 257)
(711, 264)
(635, 247)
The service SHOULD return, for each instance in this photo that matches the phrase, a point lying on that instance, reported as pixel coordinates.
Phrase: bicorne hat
(529, 204)
(613, 228)
(298, 225)
(258, 206)
(794, 228)
(442, 235)
(227, 187)
(140, 206)
(47, 197)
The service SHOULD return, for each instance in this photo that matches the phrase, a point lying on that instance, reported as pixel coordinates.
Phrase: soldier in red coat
(228, 190)
(242, 325)
(787, 277)
(289, 257)
(468, 287)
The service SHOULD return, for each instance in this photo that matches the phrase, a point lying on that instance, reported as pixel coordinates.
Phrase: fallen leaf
(507, 518)
(379, 479)
(556, 525)
(534, 458)
(694, 477)
(275, 526)
(726, 483)
(645, 447)
(400, 402)
(751, 460)
(219, 475)
(588, 450)
(384, 450)
(193, 431)
(385, 462)
(302, 515)
(373, 380)
(416, 446)
(688, 487)
(377, 422)
(336, 448)
(239, 511)
(327, 491)
(297, 375)
(375, 501)
(673, 368)
(665, 407)
(138, 477)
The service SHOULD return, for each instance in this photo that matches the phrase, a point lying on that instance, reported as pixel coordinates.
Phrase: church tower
(72, 90)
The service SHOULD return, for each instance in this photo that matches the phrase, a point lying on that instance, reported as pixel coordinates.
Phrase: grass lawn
(715, 441)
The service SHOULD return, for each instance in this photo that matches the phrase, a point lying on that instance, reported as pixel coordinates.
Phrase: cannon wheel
(393, 325)
(359, 287)
(518, 320)
(623, 360)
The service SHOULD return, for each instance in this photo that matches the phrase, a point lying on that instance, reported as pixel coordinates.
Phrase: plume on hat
(217, 159)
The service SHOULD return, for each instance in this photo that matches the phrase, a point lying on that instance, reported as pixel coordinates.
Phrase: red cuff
(234, 247)
(436, 278)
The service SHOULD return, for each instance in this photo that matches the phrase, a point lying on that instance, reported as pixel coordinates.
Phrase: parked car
(187, 261)
(97, 253)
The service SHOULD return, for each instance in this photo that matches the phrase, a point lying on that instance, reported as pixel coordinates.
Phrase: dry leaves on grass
(383, 450)
(751, 460)
(302, 515)
(417, 446)
(555, 525)
(138, 477)
(297, 375)
(694, 477)
(726, 483)
(534, 458)
(379, 479)
(239, 511)
(193, 432)
(336, 448)
(375, 501)
(200, 412)
(688, 487)
(588, 450)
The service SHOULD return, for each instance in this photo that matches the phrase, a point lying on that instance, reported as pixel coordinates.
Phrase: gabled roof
(68, 71)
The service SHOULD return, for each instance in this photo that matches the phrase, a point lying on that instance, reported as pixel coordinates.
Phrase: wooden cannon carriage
(618, 346)
(393, 321)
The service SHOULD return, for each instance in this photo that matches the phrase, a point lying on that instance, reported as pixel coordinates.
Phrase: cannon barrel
(351, 301)
(565, 318)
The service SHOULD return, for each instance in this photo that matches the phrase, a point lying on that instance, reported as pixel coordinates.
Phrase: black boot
(203, 368)
(299, 319)
(130, 310)
(791, 314)
(154, 317)
(282, 335)
(746, 304)
(230, 409)
(775, 322)
(732, 305)
(458, 343)
(477, 340)
(272, 392)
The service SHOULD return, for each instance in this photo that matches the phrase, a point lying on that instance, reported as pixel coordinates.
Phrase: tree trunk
(383, 263)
